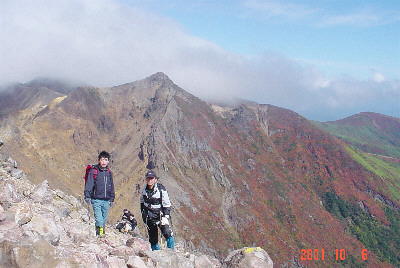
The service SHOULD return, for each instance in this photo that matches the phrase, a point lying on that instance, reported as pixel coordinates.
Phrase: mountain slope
(251, 174)
(20, 97)
(369, 132)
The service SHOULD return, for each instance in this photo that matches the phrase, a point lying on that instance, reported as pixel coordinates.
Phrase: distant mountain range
(254, 174)
(370, 132)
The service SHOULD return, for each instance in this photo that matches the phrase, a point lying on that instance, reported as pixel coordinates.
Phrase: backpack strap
(95, 170)
(95, 173)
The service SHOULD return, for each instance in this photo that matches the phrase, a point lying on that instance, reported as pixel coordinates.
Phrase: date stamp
(319, 254)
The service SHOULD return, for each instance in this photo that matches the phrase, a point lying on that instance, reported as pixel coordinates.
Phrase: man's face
(151, 181)
(103, 162)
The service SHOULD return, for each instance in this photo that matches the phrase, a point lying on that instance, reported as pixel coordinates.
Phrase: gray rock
(7, 255)
(9, 195)
(204, 261)
(250, 257)
(115, 262)
(136, 262)
(138, 243)
(23, 214)
(41, 227)
(3, 216)
(42, 193)
(16, 173)
(6, 226)
(169, 259)
(39, 254)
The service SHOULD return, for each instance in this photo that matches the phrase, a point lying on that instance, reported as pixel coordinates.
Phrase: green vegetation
(365, 136)
(352, 262)
(382, 240)
(388, 171)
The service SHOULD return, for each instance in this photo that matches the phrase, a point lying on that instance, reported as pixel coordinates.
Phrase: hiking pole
(148, 230)
(160, 232)
(88, 212)
(170, 221)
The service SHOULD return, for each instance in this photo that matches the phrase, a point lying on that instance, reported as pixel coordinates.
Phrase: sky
(325, 59)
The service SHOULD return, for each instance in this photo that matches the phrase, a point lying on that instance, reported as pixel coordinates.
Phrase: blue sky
(340, 37)
(323, 59)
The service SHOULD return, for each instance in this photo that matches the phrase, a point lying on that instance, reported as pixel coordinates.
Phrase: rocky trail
(44, 227)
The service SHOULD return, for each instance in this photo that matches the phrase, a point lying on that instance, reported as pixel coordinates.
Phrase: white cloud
(105, 43)
(378, 77)
(360, 18)
(281, 9)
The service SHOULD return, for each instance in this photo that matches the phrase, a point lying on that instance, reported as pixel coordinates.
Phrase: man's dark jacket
(102, 187)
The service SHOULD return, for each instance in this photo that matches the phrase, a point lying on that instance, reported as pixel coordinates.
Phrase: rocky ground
(42, 227)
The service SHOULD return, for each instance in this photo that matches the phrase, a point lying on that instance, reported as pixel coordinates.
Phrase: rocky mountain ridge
(254, 174)
(42, 227)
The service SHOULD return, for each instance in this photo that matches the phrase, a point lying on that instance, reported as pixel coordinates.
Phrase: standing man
(99, 190)
(155, 207)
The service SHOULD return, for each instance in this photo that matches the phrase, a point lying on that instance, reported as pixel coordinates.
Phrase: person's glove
(87, 200)
(111, 204)
(165, 220)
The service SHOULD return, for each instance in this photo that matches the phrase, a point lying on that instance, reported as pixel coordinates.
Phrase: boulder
(23, 213)
(9, 195)
(115, 262)
(38, 254)
(42, 227)
(138, 243)
(2, 216)
(249, 257)
(7, 255)
(42, 193)
(204, 261)
(136, 262)
(16, 173)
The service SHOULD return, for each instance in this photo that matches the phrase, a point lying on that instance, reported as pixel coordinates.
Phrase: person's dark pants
(152, 227)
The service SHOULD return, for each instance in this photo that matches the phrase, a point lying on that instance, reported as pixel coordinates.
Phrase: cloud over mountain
(107, 42)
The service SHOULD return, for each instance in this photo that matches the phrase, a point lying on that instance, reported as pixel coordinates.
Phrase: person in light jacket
(155, 206)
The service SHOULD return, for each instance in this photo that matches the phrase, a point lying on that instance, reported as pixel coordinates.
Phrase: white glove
(164, 220)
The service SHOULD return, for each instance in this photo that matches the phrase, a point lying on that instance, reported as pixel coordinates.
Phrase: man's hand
(87, 200)
(111, 204)
(165, 220)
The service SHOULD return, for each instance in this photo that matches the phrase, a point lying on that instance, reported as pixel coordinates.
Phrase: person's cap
(125, 210)
(151, 174)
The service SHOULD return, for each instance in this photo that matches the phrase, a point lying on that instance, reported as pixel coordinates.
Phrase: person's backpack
(88, 168)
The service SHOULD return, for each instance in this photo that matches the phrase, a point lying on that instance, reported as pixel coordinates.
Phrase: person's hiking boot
(155, 247)
(97, 230)
(101, 231)
(171, 242)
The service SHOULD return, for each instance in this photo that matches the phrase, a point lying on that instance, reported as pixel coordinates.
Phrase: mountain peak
(159, 76)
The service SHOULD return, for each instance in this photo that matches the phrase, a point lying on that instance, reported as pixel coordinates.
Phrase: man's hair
(104, 154)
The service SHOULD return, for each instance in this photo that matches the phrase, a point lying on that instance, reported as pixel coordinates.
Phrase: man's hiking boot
(155, 247)
(101, 231)
(170, 242)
